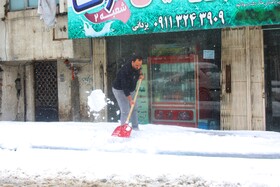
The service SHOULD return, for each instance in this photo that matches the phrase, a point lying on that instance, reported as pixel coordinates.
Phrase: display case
(174, 90)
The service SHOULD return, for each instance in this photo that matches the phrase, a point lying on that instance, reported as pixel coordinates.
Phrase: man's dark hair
(135, 57)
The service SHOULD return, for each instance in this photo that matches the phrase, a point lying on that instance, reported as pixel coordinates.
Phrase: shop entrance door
(272, 78)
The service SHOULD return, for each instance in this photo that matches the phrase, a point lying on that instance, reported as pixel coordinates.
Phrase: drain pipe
(24, 92)
(91, 50)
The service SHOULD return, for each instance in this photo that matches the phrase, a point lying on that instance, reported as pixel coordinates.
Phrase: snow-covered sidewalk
(85, 154)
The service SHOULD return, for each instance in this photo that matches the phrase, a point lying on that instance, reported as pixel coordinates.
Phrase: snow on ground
(85, 154)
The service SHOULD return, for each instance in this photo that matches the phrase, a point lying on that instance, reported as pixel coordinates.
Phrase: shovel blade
(122, 131)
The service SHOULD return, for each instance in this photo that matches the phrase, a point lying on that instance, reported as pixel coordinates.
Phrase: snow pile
(96, 101)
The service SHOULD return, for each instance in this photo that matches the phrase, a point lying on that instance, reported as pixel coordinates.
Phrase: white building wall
(29, 39)
(30, 99)
(2, 31)
(11, 106)
(24, 39)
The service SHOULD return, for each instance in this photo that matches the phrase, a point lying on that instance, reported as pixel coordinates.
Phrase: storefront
(203, 60)
(182, 76)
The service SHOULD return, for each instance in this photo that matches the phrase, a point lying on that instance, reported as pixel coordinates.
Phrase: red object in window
(177, 115)
(72, 70)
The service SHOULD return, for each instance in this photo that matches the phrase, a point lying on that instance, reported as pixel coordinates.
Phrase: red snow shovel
(124, 130)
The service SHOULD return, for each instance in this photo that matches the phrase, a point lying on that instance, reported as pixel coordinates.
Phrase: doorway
(46, 92)
(272, 78)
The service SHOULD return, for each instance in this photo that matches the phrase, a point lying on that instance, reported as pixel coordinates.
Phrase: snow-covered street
(85, 154)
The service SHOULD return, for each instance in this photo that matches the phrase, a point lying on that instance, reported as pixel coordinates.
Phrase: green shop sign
(98, 18)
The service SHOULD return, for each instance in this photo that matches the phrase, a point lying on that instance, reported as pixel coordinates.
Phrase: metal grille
(46, 96)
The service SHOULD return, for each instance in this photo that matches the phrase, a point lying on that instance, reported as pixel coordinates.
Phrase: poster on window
(143, 98)
(99, 18)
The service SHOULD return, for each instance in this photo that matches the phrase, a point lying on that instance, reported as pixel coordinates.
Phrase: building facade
(219, 78)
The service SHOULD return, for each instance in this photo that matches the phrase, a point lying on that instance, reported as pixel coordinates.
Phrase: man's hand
(130, 100)
(131, 103)
(141, 76)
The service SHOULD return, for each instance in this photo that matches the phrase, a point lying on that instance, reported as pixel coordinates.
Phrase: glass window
(33, 3)
(182, 71)
(24, 4)
(17, 5)
(272, 77)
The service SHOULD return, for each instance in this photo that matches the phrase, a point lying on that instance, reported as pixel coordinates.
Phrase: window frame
(18, 5)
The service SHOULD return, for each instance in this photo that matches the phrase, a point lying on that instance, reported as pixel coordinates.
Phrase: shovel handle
(134, 100)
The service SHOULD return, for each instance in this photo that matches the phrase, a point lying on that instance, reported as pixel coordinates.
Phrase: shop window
(182, 71)
(272, 77)
(16, 5)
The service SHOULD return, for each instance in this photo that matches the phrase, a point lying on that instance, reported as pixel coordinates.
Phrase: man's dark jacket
(126, 79)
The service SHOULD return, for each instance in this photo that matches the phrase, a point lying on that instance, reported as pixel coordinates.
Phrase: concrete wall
(2, 32)
(85, 81)
(27, 38)
(100, 70)
(20, 109)
(24, 39)
(29, 86)
(64, 84)
(11, 105)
